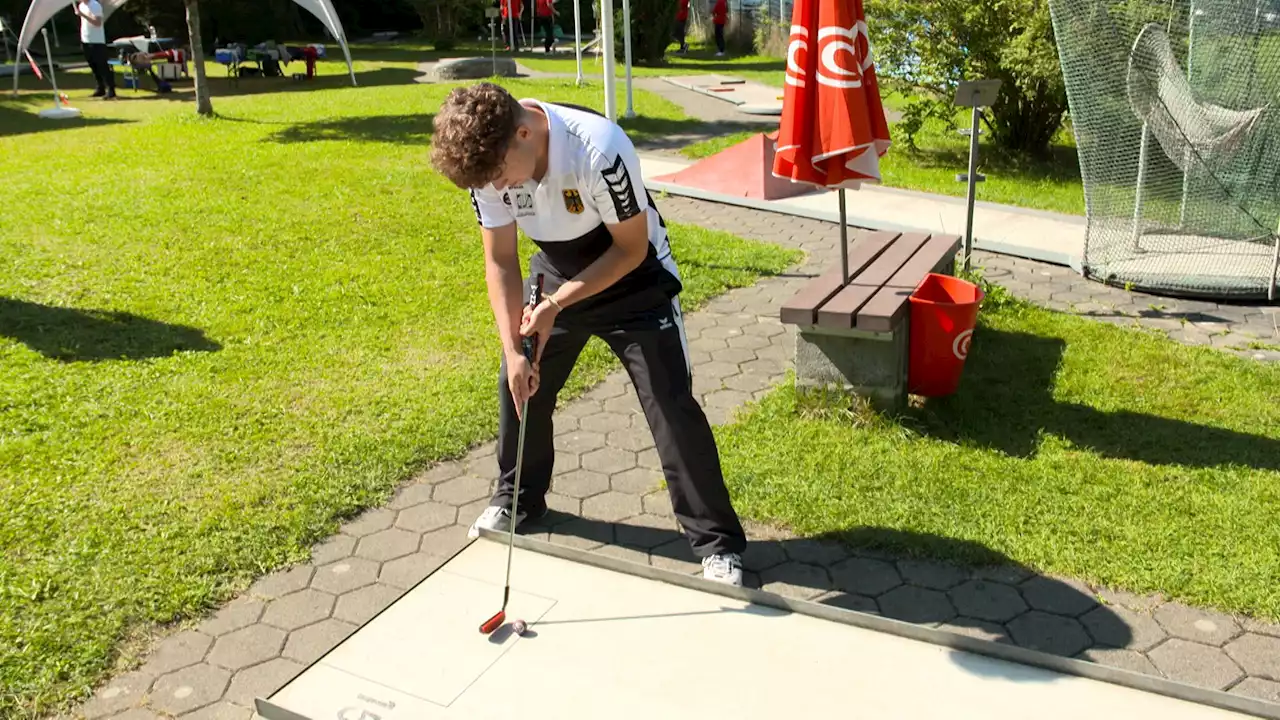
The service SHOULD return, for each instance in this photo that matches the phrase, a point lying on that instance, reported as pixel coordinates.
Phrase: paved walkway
(607, 498)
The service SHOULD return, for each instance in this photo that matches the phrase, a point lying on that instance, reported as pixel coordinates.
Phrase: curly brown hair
(472, 132)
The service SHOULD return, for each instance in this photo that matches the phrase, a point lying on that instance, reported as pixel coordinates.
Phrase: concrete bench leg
(870, 365)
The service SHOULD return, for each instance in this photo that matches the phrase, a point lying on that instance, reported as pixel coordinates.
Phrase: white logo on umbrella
(960, 346)
(832, 41)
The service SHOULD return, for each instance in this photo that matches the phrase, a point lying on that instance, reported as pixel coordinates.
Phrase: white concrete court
(615, 639)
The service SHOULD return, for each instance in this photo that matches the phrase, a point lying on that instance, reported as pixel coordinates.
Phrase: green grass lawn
(220, 336)
(1053, 184)
(1073, 447)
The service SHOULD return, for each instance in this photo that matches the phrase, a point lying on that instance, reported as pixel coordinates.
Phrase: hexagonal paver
(1257, 654)
(360, 606)
(649, 459)
(176, 652)
(234, 615)
(864, 576)
(1046, 632)
(560, 504)
(647, 531)
(1141, 603)
(1194, 663)
(608, 460)
(189, 688)
(138, 714)
(611, 507)
(299, 609)
(1120, 627)
(425, 517)
(262, 680)
(849, 601)
(815, 552)
(411, 495)
(658, 502)
(748, 341)
(931, 575)
(748, 382)
(410, 570)
(1202, 626)
(122, 692)
(1007, 574)
(1117, 658)
(334, 548)
(582, 534)
(461, 490)
(282, 582)
(733, 356)
(633, 439)
(388, 544)
(579, 441)
(445, 541)
(636, 481)
(581, 483)
(1259, 689)
(975, 628)
(796, 579)
(987, 600)
(1058, 596)
(309, 643)
(914, 604)
(675, 556)
(623, 405)
(605, 422)
(439, 473)
(727, 399)
(246, 646)
(760, 556)
(370, 522)
(344, 575)
(1262, 628)
(221, 711)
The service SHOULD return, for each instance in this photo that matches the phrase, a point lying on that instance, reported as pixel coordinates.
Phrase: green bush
(653, 25)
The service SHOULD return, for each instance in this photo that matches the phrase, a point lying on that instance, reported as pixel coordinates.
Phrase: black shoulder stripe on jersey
(662, 222)
(475, 205)
(621, 190)
(583, 108)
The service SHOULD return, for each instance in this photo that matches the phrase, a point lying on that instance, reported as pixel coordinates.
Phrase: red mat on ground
(743, 170)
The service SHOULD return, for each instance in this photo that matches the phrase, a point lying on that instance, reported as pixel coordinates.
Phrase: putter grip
(529, 343)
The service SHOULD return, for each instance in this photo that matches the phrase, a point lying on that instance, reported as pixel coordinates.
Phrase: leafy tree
(930, 45)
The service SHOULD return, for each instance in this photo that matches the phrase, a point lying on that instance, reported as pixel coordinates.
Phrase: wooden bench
(854, 335)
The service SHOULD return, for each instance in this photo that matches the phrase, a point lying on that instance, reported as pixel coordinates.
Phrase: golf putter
(529, 345)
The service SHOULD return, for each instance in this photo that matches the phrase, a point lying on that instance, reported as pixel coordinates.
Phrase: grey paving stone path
(607, 498)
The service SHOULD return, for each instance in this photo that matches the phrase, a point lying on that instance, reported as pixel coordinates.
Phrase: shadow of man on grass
(76, 335)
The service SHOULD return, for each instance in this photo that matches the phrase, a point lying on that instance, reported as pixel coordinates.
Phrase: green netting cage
(1175, 106)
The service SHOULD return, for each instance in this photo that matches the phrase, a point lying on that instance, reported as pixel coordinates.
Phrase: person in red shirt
(546, 22)
(720, 16)
(513, 43)
(682, 25)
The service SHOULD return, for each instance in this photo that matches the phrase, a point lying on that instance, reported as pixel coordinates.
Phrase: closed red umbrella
(833, 130)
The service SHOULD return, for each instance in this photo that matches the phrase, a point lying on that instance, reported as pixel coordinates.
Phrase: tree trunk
(203, 104)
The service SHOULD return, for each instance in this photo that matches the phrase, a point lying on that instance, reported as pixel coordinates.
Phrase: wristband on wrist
(551, 299)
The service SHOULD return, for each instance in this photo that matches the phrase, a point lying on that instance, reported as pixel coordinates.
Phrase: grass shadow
(77, 335)
(880, 571)
(1007, 411)
(400, 129)
(17, 121)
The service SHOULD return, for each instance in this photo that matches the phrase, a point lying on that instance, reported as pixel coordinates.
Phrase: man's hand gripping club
(522, 372)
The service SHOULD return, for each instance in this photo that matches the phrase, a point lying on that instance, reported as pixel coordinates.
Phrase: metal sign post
(975, 94)
(491, 13)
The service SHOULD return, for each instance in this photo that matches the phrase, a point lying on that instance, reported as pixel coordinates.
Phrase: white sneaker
(724, 567)
(493, 518)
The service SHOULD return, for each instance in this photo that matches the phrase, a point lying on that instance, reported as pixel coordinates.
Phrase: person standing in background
(93, 37)
(720, 16)
(546, 22)
(682, 25)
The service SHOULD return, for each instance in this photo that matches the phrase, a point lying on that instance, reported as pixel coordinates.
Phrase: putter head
(494, 622)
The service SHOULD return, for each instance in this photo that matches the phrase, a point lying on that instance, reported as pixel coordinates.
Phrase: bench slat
(925, 261)
(885, 309)
(840, 311)
(891, 260)
(802, 308)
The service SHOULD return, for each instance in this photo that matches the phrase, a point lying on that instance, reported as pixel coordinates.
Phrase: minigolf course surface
(750, 96)
(613, 639)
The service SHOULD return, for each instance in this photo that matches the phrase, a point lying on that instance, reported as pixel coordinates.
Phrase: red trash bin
(944, 312)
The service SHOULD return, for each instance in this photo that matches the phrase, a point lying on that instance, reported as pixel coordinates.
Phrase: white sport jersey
(593, 179)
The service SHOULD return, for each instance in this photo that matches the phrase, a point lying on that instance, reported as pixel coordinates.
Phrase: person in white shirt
(93, 38)
(570, 179)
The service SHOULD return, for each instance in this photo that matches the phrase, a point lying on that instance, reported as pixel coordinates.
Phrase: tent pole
(844, 242)
(606, 45)
(626, 45)
(577, 37)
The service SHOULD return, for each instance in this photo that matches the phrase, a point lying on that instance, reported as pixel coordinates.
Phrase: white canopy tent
(42, 10)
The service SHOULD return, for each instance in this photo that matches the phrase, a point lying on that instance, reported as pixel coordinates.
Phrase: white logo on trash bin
(960, 346)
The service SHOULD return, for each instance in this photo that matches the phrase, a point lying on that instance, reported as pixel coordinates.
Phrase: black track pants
(655, 355)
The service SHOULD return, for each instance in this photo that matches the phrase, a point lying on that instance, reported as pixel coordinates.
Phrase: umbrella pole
(844, 242)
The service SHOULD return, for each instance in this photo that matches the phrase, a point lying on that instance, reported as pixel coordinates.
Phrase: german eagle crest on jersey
(573, 202)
